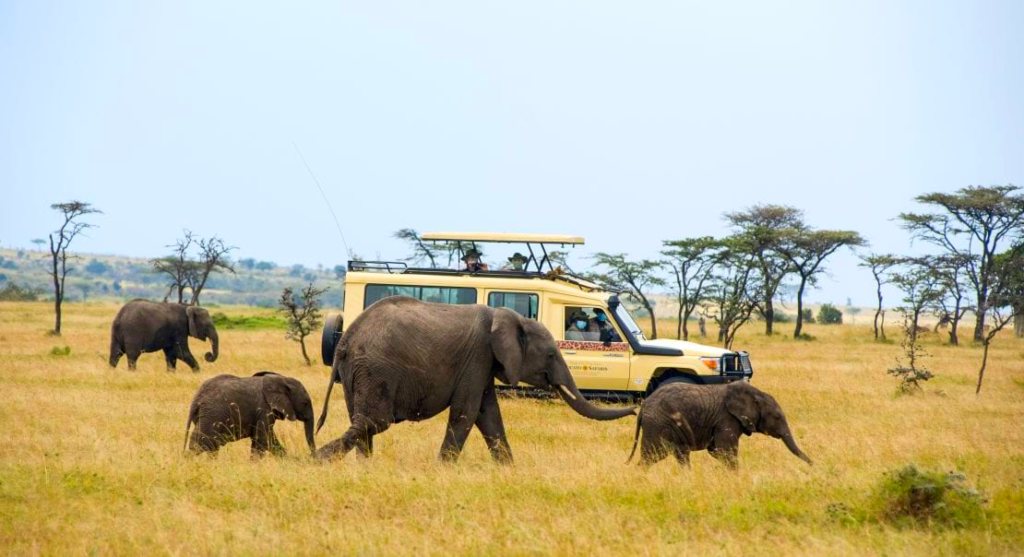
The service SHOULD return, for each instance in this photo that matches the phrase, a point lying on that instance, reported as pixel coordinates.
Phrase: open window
(585, 323)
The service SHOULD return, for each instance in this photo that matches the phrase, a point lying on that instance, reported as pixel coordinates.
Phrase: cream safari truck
(629, 366)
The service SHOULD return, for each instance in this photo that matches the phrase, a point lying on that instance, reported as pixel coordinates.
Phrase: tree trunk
(981, 372)
(769, 316)
(654, 320)
(879, 313)
(881, 325)
(56, 294)
(302, 343)
(799, 309)
(954, 340)
(1018, 323)
(679, 321)
(979, 326)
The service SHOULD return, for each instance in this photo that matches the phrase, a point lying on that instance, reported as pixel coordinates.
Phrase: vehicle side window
(435, 294)
(589, 324)
(523, 303)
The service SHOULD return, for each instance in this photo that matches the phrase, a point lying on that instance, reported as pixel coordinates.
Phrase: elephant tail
(636, 434)
(335, 378)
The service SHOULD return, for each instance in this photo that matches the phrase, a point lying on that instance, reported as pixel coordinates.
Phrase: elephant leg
(654, 447)
(364, 447)
(725, 448)
(361, 432)
(682, 455)
(171, 357)
(462, 414)
(203, 442)
(186, 356)
(492, 428)
(133, 357)
(115, 351)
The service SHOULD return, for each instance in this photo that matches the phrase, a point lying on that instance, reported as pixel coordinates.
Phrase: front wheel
(329, 338)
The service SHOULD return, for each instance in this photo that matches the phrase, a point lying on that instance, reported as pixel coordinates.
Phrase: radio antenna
(348, 252)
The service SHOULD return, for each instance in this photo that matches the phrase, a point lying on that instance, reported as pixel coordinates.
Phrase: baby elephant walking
(682, 417)
(228, 408)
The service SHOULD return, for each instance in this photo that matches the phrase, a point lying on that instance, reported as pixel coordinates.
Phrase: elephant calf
(682, 417)
(228, 408)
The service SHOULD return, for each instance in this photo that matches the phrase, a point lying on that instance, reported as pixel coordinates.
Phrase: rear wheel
(329, 338)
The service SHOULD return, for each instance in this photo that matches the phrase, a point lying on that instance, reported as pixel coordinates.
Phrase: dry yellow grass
(90, 462)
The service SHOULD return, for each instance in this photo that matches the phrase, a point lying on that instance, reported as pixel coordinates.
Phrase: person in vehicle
(577, 326)
(600, 325)
(472, 261)
(516, 262)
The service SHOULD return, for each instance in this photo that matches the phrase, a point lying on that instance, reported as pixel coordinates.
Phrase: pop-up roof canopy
(502, 238)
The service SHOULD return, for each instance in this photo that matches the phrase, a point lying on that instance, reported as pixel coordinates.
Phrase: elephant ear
(508, 342)
(279, 396)
(741, 402)
(193, 331)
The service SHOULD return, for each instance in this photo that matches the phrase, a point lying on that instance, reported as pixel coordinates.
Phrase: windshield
(626, 320)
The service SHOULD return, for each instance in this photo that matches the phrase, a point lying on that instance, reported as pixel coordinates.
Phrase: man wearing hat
(472, 261)
(516, 262)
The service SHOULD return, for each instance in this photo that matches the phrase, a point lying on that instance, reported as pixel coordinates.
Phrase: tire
(677, 379)
(329, 338)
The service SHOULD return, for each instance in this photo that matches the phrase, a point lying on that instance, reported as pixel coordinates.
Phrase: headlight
(711, 363)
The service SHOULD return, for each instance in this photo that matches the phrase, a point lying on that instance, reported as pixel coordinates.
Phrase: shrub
(60, 351)
(97, 267)
(910, 496)
(829, 315)
(14, 293)
(809, 316)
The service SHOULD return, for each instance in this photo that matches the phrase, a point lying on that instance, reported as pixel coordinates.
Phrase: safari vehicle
(623, 363)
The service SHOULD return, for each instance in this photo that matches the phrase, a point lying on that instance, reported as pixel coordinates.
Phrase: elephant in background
(403, 359)
(144, 326)
(228, 408)
(682, 417)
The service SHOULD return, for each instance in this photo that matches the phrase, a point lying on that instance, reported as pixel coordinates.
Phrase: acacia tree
(177, 266)
(806, 251)
(421, 251)
(60, 240)
(692, 261)
(880, 266)
(1007, 297)
(972, 224)
(952, 303)
(302, 314)
(761, 228)
(185, 271)
(633, 277)
(733, 290)
(921, 289)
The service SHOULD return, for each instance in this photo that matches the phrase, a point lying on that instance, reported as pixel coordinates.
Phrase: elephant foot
(330, 451)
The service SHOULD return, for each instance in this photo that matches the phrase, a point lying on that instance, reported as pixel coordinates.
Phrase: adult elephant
(144, 326)
(403, 359)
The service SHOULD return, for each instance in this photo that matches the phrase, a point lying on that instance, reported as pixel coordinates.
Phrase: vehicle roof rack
(393, 267)
(502, 238)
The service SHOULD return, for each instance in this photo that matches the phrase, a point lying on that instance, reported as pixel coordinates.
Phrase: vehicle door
(594, 364)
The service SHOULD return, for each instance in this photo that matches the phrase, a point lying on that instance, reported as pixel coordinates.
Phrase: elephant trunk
(574, 398)
(212, 355)
(787, 438)
(310, 439)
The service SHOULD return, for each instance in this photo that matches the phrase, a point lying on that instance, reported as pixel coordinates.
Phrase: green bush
(809, 316)
(60, 351)
(910, 496)
(829, 315)
(222, 321)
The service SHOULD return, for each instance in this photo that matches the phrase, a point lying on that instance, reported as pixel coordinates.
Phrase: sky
(627, 123)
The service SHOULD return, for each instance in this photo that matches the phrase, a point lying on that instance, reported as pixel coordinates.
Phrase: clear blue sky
(623, 122)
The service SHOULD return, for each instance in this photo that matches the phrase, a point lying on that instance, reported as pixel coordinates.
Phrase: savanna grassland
(91, 462)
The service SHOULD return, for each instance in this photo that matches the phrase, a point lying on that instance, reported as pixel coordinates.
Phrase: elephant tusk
(567, 392)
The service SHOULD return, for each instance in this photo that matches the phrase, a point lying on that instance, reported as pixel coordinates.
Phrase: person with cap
(600, 325)
(516, 262)
(577, 326)
(472, 261)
